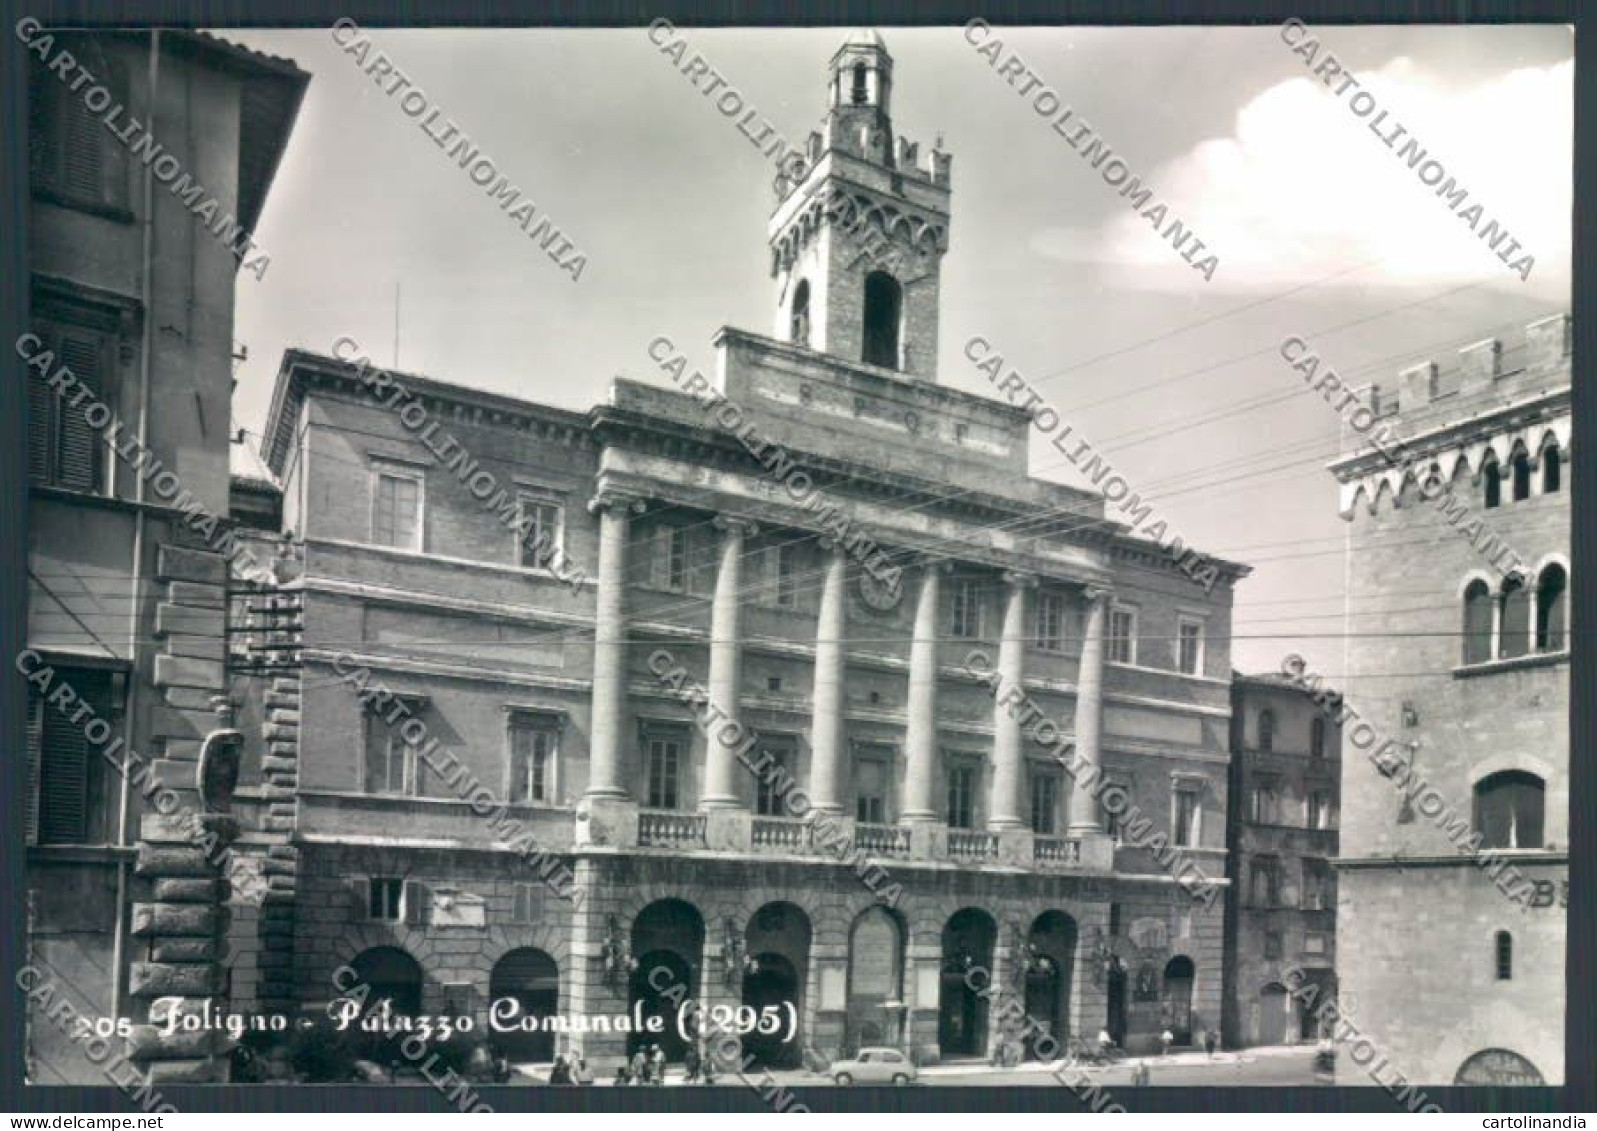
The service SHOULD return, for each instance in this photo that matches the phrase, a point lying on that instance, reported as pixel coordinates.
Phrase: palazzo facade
(739, 524)
(1453, 868)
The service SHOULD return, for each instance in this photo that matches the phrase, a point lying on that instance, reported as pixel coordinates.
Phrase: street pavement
(1279, 1066)
(1291, 1066)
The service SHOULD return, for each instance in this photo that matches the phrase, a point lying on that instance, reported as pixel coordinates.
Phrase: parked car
(874, 1066)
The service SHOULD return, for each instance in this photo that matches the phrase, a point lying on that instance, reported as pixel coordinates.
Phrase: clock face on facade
(879, 596)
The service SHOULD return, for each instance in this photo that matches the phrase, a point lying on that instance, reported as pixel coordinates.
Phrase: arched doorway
(1178, 975)
(390, 975)
(875, 981)
(1275, 1014)
(526, 981)
(773, 984)
(1050, 960)
(961, 1011)
(1498, 1068)
(391, 981)
(777, 946)
(667, 944)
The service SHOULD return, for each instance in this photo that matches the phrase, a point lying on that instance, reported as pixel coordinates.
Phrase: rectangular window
(1189, 657)
(964, 608)
(1315, 943)
(73, 159)
(1319, 809)
(542, 537)
(870, 790)
(1272, 944)
(1108, 819)
(787, 575)
(1186, 824)
(386, 899)
(64, 450)
(534, 743)
(1044, 802)
(1122, 635)
(774, 781)
(391, 763)
(1264, 804)
(67, 802)
(663, 771)
(1264, 883)
(961, 794)
(524, 904)
(396, 509)
(1051, 622)
(1317, 895)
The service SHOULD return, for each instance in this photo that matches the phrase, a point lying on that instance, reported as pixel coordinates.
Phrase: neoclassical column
(827, 749)
(609, 643)
(1007, 810)
(726, 644)
(920, 735)
(1089, 713)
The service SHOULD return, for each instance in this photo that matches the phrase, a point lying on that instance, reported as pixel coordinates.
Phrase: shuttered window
(73, 158)
(66, 778)
(63, 449)
(396, 509)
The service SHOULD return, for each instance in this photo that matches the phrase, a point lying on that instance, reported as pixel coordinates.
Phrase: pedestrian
(1166, 1039)
(623, 1077)
(1143, 1076)
(640, 1066)
(690, 1065)
(560, 1073)
(659, 1065)
(580, 1073)
(1106, 1045)
(1211, 1041)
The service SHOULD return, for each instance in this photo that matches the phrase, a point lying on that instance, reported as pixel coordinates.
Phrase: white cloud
(1303, 187)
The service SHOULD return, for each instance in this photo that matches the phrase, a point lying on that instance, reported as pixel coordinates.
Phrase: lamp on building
(615, 955)
(735, 961)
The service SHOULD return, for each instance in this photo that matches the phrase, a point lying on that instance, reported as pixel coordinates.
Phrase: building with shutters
(1451, 966)
(129, 357)
(522, 696)
(1286, 768)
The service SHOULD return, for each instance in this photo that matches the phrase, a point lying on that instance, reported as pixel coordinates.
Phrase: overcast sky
(1319, 228)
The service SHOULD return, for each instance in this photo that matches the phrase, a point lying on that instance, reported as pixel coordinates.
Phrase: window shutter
(35, 750)
(63, 781)
(416, 898)
(82, 139)
(41, 436)
(80, 446)
(359, 890)
(44, 139)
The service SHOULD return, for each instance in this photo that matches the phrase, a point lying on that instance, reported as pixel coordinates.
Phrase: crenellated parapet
(1501, 409)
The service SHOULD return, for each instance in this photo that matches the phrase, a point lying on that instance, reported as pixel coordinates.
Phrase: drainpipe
(135, 598)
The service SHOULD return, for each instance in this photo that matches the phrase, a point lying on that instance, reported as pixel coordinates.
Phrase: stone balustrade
(661, 829)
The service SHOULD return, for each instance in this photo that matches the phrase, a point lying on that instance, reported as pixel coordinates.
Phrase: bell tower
(861, 225)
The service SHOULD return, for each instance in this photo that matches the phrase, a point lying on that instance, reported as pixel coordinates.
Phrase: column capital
(1093, 593)
(735, 524)
(607, 497)
(1021, 579)
(938, 563)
